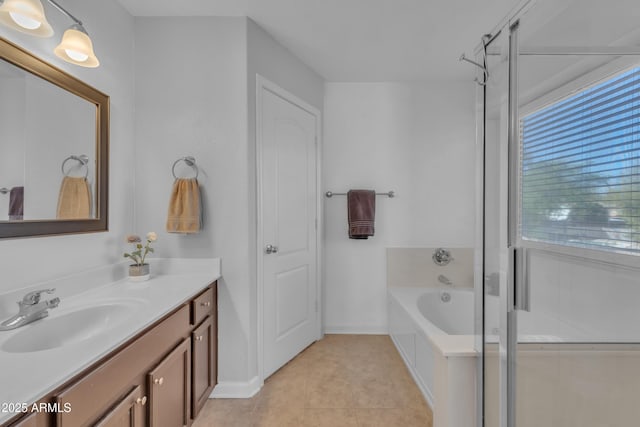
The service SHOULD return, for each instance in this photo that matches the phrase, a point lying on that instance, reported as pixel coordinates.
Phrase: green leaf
(151, 250)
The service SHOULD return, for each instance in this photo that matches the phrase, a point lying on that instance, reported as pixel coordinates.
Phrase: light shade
(76, 48)
(26, 16)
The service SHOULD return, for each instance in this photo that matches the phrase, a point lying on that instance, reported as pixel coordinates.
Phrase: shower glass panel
(577, 359)
(494, 162)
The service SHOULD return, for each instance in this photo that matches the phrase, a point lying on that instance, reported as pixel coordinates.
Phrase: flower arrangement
(140, 253)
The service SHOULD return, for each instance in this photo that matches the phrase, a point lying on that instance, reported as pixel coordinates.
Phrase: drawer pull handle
(199, 338)
(205, 304)
(141, 400)
(158, 381)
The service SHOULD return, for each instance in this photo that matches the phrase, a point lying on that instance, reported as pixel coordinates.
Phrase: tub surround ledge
(34, 374)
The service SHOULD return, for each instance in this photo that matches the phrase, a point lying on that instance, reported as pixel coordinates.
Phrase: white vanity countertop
(26, 377)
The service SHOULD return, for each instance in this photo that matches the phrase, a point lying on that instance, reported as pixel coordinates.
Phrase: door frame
(263, 83)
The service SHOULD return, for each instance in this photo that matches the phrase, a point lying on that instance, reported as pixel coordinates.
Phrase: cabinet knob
(199, 338)
(158, 381)
(142, 400)
(205, 304)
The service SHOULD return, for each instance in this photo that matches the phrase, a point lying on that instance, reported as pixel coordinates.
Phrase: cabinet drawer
(37, 419)
(202, 306)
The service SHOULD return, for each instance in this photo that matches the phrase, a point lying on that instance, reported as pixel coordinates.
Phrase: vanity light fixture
(76, 47)
(27, 16)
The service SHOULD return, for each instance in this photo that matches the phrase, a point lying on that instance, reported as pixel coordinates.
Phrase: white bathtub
(453, 317)
(435, 339)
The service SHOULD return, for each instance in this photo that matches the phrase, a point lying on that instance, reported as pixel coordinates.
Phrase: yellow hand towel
(74, 200)
(184, 207)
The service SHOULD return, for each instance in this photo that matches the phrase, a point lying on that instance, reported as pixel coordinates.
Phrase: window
(580, 168)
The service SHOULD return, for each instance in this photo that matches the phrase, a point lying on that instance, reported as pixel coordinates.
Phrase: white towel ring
(190, 161)
(83, 159)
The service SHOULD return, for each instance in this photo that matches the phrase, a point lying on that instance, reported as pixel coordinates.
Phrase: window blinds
(580, 168)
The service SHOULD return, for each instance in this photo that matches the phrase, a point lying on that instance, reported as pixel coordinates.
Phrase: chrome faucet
(445, 280)
(31, 309)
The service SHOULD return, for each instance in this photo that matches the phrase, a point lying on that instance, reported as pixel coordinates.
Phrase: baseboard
(357, 330)
(236, 389)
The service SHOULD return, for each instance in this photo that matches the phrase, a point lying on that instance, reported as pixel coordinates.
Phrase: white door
(287, 135)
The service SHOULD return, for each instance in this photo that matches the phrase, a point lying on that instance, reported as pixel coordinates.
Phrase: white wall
(416, 139)
(199, 100)
(598, 300)
(29, 260)
(191, 100)
(268, 58)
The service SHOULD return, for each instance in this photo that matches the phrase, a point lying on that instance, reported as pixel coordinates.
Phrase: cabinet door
(170, 389)
(204, 360)
(127, 413)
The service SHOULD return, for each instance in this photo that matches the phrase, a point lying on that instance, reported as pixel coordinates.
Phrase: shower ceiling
(360, 40)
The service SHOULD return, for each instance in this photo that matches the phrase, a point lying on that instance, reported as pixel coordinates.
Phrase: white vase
(139, 273)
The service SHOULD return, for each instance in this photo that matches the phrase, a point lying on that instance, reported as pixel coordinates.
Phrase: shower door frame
(507, 350)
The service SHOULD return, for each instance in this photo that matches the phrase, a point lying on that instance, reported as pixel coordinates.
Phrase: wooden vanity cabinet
(162, 377)
(30, 420)
(34, 419)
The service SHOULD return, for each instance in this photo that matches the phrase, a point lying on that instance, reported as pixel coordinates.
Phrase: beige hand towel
(184, 207)
(74, 200)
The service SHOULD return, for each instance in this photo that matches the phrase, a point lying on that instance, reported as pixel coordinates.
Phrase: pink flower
(132, 238)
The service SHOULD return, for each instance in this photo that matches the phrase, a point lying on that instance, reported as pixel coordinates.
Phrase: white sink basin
(69, 328)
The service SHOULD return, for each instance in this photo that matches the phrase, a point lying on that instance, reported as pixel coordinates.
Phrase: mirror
(53, 149)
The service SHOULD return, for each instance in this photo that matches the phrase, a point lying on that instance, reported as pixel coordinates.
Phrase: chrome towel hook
(190, 161)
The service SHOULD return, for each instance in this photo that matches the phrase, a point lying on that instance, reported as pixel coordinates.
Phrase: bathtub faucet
(445, 280)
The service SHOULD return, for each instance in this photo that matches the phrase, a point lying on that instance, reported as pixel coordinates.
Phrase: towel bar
(389, 194)
(4, 190)
(190, 161)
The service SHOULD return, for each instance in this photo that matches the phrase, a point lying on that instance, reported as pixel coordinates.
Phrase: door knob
(270, 249)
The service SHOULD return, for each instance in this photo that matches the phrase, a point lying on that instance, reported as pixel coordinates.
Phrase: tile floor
(340, 381)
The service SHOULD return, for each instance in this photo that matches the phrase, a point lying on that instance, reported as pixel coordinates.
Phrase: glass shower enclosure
(558, 275)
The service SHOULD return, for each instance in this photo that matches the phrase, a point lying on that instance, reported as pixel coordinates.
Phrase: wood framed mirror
(54, 149)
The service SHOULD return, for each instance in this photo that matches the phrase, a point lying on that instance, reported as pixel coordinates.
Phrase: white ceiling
(361, 40)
